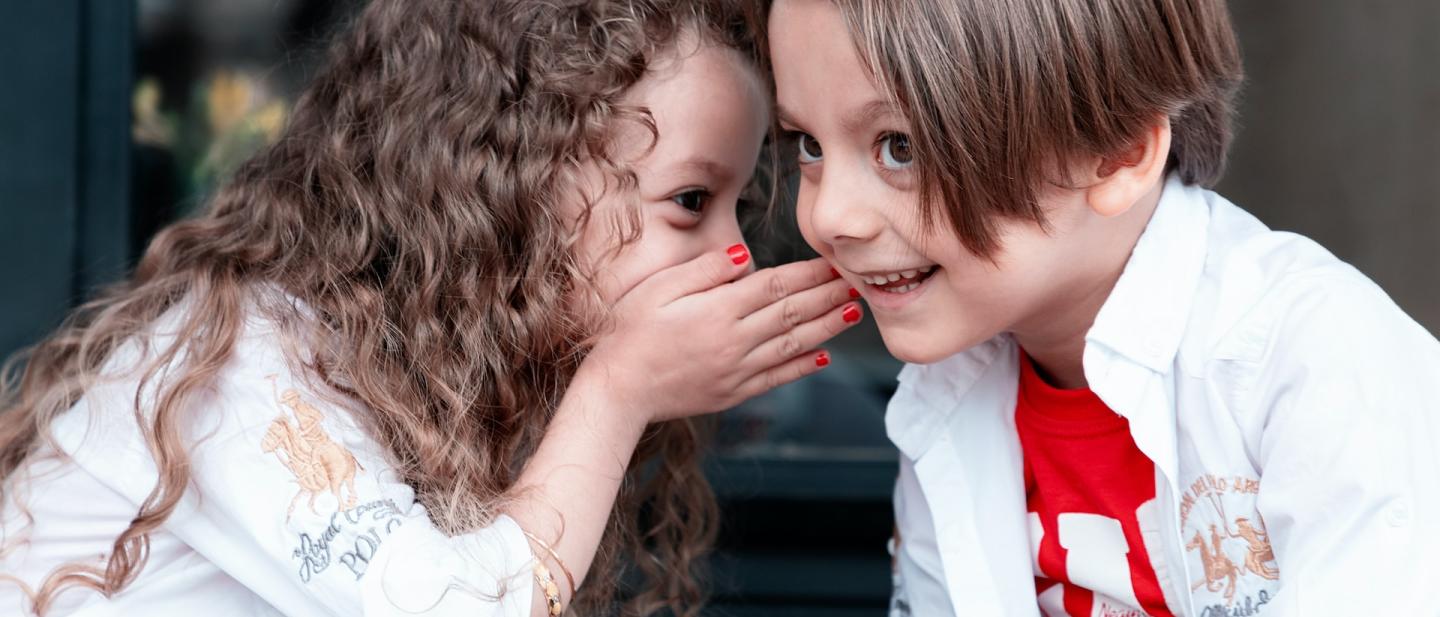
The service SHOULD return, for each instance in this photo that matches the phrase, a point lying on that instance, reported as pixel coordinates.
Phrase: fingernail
(738, 254)
(822, 359)
(851, 314)
(835, 273)
(854, 293)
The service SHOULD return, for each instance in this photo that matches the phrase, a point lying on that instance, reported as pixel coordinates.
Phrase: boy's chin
(917, 348)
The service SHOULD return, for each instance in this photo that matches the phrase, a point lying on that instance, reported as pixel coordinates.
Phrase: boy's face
(709, 109)
(859, 208)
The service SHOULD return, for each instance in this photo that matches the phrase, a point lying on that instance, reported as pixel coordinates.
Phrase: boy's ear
(1122, 179)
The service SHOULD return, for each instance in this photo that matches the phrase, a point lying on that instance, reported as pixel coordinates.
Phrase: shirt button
(1398, 515)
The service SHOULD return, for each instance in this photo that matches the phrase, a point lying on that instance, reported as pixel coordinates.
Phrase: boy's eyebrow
(867, 115)
(855, 122)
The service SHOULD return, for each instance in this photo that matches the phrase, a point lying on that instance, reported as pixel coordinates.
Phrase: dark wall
(1340, 138)
(64, 149)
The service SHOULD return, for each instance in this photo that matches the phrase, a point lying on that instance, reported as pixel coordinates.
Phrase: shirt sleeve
(1350, 485)
(290, 498)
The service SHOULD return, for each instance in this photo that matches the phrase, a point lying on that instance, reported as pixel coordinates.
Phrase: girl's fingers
(800, 366)
(774, 285)
(805, 337)
(799, 308)
(702, 273)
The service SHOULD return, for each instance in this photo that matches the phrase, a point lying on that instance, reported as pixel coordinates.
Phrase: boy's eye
(895, 151)
(810, 151)
(693, 200)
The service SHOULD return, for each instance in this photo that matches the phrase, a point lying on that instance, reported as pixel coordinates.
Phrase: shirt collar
(1145, 316)
(1142, 321)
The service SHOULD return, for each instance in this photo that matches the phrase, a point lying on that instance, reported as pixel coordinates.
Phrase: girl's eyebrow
(719, 172)
(784, 116)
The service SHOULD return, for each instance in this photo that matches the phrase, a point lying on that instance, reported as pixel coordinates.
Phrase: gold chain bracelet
(570, 578)
(552, 591)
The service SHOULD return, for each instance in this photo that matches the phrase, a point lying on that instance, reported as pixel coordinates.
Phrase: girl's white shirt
(1291, 409)
(292, 508)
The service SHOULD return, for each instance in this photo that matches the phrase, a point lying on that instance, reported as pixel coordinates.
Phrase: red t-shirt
(1088, 488)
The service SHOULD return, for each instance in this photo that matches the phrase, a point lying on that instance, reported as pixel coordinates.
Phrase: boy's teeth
(882, 280)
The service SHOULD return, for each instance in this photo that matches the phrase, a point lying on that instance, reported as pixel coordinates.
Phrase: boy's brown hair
(1001, 93)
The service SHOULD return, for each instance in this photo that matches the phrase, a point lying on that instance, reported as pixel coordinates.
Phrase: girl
(404, 362)
(1125, 396)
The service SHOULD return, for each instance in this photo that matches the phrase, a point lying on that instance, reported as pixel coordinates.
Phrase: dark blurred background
(118, 116)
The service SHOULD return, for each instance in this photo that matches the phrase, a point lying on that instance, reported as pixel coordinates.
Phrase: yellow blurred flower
(228, 100)
(270, 120)
(149, 125)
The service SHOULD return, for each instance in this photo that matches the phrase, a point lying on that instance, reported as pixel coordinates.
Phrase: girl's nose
(723, 236)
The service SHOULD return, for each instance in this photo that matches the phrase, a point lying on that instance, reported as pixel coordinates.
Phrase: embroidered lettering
(314, 552)
(1249, 607)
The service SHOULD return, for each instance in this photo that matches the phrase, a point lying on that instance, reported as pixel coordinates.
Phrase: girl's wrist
(591, 399)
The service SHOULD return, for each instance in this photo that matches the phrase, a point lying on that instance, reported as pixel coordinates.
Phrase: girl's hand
(698, 338)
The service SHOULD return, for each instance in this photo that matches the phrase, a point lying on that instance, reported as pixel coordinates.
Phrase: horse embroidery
(318, 463)
(1221, 571)
(1218, 566)
(1258, 552)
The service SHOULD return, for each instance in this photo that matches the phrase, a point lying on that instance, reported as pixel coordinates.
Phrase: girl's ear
(1122, 179)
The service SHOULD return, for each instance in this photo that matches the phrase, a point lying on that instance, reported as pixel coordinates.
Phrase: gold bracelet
(556, 556)
(552, 591)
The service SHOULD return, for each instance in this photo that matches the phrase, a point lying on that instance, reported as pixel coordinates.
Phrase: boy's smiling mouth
(898, 281)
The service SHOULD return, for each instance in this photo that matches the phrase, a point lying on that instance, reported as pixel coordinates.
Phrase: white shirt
(292, 509)
(1290, 408)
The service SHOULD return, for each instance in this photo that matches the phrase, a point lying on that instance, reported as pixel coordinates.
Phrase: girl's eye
(895, 152)
(810, 151)
(693, 200)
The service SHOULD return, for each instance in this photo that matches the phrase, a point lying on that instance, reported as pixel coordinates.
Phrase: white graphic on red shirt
(1096, 560)
(1091, 493)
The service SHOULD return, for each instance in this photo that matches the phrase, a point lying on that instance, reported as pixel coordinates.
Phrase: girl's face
(711, 116)
(859, 207)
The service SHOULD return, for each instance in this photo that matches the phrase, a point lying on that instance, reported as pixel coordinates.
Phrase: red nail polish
(851, 314)
(854, 293)
(822, 359)
(738, 254)
(835, 273)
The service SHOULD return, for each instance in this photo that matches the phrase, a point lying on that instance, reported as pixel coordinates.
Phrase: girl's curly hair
(414, 208)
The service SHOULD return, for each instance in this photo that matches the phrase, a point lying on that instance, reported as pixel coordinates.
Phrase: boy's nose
(845, 210)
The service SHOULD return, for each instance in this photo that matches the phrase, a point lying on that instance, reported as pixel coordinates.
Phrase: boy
(1125, 395)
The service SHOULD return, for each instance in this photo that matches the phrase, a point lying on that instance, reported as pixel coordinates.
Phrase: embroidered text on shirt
(314, 552)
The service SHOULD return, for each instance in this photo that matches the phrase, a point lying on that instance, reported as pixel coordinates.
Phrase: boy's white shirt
(1266, 379)
(363, 546)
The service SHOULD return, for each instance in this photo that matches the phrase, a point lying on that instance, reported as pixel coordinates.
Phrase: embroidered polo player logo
(1217, 537)
(319, 464)
(1259, 550)
(1218, 566)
